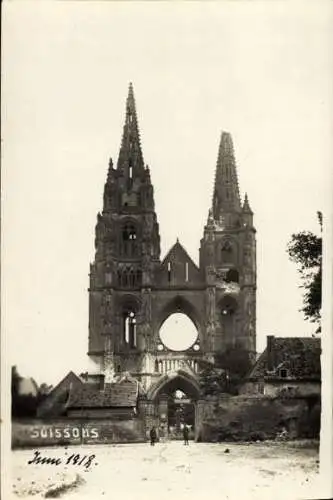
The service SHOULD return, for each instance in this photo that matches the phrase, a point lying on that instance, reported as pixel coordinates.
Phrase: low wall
(38, 432)
(236, 418)
(274, 389)
(239, 418)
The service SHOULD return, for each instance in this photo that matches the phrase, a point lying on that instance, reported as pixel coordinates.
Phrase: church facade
(139, 382)
(133, 290)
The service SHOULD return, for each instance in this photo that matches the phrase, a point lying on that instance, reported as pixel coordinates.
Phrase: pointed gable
(178, 269)
(55, 402)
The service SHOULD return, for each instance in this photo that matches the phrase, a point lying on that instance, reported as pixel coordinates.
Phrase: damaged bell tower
(228, 259)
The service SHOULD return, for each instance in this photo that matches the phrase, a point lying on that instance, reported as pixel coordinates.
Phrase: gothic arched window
(129, 243)
(169, 272)
(228, 253)
(129, 277)
(228, 307)
(138, 277)
(129, 328)
(130, 169)
(130, 175)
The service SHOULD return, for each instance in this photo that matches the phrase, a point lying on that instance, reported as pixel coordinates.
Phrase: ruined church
(133, 290)
(139, 381)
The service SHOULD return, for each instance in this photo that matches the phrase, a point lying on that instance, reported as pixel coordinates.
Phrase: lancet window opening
(129, 277)
(228, 253)
(169, 271)
(228, 307)
(129, 237)
(129, 328)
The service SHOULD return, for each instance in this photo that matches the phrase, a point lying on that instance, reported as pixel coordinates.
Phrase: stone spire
(130, 159)
(110, 170)
(246, 205)
(247, 214)
(210, 220)
(226, 197)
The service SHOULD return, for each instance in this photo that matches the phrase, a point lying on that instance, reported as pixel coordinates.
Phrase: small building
(117, 400)
(289, 366)
(91, 397)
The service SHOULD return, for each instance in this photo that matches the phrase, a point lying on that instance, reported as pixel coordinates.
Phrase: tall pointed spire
(246, 205)
(130, 158)
(226, 197)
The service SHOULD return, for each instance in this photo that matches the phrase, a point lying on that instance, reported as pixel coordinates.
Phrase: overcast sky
(261, 71)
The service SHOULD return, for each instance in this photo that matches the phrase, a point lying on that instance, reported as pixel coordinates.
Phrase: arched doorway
(175, 396)
(181, 412)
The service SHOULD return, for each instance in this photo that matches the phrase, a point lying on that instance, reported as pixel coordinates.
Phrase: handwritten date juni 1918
(73, 459)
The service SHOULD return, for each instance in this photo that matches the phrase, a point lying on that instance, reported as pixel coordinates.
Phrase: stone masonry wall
(274, 389)
(238, 418)
(37, 432)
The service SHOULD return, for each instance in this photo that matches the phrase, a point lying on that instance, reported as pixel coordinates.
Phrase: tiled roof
(118, 394)
(300, 356)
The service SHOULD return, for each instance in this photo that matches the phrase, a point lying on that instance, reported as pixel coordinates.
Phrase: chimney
(270, 353)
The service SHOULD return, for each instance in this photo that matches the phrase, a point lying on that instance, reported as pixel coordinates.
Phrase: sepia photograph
(166, 321)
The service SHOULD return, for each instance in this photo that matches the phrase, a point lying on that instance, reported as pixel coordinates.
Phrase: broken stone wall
(279, 387)
(238, 418)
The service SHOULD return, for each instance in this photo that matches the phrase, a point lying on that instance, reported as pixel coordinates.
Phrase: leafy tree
(235, 360)
(305, 249)
(16, 379)
(44, 389)
(228, 372)
(25, 405)
(213, 381)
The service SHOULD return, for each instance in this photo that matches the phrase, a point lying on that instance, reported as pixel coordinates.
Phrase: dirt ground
(171, 470)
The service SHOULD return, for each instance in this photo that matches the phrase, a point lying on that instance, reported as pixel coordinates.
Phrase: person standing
(153, 436)
(185, 434)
